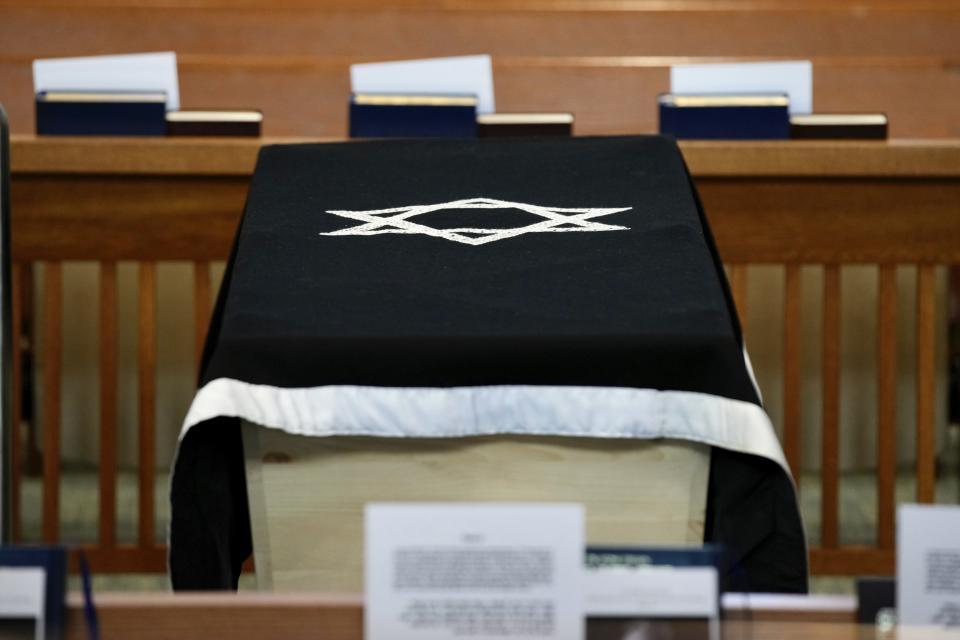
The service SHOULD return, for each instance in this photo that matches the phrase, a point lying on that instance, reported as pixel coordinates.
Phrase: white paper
(928, 565)
(795, 78)
(134, 72)
(22, 595)
(481, 571)
(651, 592)
(472, 75)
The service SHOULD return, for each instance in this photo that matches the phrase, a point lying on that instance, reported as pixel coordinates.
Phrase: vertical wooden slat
(108, 403)
(147, 352)
(738, 286)
(791, 369)
(830, 440)
(16, 469)
(926, 481)
(886, 404)
(201, 307)
(52, 347)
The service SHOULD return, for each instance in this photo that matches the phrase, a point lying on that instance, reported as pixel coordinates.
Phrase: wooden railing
(795, 204)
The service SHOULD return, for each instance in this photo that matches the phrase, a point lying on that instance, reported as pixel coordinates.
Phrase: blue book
(599, 556)
(101, 113)
(52, 560)
(725, 117)
(412, 116)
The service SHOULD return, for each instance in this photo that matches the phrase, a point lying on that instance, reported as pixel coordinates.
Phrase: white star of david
(398, 220)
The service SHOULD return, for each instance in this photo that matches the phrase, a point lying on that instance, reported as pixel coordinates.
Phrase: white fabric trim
(418, 412)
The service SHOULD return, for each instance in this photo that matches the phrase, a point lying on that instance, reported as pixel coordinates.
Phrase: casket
(457, 320)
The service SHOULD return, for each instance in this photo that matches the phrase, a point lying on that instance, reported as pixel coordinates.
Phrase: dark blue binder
(407, 116)
(53, 561)
(725, 117)
(83, 113)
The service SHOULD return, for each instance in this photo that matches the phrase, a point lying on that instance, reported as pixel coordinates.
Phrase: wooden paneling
(122, 219)
(341, 29)
(833, 221)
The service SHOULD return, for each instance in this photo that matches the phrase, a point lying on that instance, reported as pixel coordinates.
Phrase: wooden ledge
(707, 159)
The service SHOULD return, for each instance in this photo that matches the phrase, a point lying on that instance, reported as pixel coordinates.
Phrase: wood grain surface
(633, 491)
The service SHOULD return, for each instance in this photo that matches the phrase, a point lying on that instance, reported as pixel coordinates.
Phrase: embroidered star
(399, 220)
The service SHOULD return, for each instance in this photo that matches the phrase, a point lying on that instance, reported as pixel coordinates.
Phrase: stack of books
(101, 113)
(134, 113)
(380, 115)
(759, 117)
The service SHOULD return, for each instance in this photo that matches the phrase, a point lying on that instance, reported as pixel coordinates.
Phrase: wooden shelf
(237, 157)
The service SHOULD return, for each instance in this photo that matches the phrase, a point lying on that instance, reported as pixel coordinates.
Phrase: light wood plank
(901, 158)
(108, 404)
(52, 355)
(201, 307)
(886, 404)
(16, 410)
(791, 369)
(926, 381)
(833, 221)
(147, 364)
(648, 492)
(830, 437)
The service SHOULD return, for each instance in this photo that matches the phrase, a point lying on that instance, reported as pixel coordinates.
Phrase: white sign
(651, 592)
(481, 571)
(928, 565)
(22, 595)
(794, 78)
(134, 72)
(471, 75)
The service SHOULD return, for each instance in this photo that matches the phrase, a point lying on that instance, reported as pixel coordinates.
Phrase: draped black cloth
(468, 274)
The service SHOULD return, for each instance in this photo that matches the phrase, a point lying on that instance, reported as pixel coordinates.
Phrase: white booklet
(483, 571)
(133, 72)
(928, 565)
(467, 75)
(795, 78)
